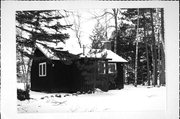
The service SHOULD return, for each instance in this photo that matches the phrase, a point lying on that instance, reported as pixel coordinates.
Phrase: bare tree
(159, 36)
(162, 75)
(147, 52)
(77, 27)
(136, 59)
(154, 50)
(113, 15)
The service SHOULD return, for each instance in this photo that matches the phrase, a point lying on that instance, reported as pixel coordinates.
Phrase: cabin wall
(40, 83)
(63, 78)
(84, 73)
(120, 76)
(80, 75)
(90, 77)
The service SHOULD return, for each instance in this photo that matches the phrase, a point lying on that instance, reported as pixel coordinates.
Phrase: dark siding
(120, 76)
(62, 77)
(80, 75)
(59, 75)
(40, 83)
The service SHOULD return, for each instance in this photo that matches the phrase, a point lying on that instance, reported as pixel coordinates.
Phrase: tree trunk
(136, 63)
(153, 64)
(154, 50)
(147, 53)
(162, 76)
(24, 71)
(95, 76)
(162, 23)
(147, 58)
(136, 58)
(116, 29)
(159, 60)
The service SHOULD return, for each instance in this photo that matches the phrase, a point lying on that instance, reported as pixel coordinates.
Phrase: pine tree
(98, 35)
(126, 42)
(114, 16)
(38, 27)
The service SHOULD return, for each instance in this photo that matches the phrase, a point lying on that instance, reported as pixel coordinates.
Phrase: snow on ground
(128, 99)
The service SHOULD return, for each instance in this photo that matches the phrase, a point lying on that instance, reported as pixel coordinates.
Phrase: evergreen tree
(111, 15)
(38, 27)
(148, 43)
(98, 35)
(41, 26)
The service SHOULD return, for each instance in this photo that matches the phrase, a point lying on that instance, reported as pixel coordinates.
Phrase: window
(42, 69)
(112, 67)
(101, 67)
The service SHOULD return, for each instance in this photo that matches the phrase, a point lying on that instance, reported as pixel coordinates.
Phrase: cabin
(58, 70)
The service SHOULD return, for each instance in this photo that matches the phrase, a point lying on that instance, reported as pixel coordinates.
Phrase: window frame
(42, 69)
(109, 63)
(104, 70)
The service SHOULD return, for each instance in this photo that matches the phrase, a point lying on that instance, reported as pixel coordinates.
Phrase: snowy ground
(127, 99)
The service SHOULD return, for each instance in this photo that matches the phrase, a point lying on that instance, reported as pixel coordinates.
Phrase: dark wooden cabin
(51, 73)
(61, 71)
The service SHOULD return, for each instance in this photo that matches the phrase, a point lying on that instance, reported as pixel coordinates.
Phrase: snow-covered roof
(47, 52)
(55, 53)
(89, 53)
(114, 56)
(98, 53)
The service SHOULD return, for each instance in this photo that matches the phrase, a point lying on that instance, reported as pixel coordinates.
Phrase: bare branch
(100, 17)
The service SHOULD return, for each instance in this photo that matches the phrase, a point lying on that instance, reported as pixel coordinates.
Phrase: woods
(138, 36)
(149, 59)
(135, 34)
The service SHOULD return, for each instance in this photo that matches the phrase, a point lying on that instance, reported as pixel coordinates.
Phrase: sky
(87, 23)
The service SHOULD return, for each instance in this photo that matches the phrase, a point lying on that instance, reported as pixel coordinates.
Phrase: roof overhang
(114, 57)
(91, 53)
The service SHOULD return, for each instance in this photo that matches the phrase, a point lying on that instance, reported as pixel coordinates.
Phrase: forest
(135, 34)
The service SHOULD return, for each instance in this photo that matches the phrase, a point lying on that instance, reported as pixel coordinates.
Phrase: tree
(162, 49)
(115, 13)
(147, 52)
(114, 16)
(76, 27)
(154, 51)
(136, 59)
(126, 42)
(98, 35)
(0, 63)
(38, 27)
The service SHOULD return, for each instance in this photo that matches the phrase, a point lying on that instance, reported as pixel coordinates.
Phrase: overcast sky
(87, 24)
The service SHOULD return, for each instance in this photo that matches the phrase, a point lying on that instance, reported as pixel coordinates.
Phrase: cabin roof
(47, 52)
(54, 53)
(114, 56)
(99, 53)
(82, 53)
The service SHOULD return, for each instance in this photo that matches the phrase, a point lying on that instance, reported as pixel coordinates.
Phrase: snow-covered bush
(23, 94)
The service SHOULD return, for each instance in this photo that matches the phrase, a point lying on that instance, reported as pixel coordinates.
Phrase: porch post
(95, 75)
(107, 70)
